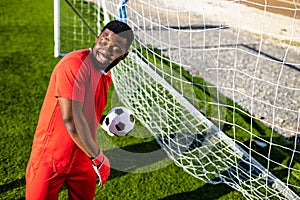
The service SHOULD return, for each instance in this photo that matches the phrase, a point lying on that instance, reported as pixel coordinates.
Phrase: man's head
(112, 45)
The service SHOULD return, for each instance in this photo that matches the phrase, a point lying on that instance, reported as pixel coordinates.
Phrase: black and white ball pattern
(119, 121)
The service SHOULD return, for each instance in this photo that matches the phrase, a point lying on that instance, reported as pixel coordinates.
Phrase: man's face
(109, 47)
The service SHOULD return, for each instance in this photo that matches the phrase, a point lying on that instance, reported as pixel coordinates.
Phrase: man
(64, 148)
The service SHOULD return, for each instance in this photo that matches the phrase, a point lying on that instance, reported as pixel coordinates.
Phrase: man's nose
(107, 50)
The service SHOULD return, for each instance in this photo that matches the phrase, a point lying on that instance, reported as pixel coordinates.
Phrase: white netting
(218, 85)
(79, 22)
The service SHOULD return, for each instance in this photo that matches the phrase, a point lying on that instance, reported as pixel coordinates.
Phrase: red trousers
(44, 180)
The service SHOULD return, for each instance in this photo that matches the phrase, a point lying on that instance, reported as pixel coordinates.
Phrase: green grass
(26, 58)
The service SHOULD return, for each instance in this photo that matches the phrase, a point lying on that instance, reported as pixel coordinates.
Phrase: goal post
(56, 7)
(76, 24)
(216, 88)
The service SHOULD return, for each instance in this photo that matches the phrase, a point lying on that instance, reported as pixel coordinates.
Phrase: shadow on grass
(143, 156)
(13, 184)
(207, 192)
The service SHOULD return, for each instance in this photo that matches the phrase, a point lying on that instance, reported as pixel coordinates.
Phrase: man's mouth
(101, 58)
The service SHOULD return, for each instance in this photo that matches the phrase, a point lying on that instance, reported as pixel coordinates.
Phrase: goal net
(216, 82)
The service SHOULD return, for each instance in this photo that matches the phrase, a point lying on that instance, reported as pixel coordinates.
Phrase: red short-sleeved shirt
(75, 78)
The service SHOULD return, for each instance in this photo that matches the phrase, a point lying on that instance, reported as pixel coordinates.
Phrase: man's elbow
(70, 125)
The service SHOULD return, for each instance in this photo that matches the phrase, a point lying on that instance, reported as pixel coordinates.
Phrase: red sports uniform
(55, 158)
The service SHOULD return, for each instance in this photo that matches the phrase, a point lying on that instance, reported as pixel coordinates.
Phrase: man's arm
(76, 124)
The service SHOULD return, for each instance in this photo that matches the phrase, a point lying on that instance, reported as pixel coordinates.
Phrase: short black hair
(122, 29)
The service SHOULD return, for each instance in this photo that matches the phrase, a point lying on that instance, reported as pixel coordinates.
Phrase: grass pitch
(26, 57)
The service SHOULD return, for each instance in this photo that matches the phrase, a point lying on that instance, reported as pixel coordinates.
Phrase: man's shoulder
(73, 59)
(78, 54)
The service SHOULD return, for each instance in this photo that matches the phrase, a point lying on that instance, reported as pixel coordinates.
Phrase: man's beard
(105, 68)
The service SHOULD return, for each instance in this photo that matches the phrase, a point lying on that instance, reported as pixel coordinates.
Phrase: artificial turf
(26, 57)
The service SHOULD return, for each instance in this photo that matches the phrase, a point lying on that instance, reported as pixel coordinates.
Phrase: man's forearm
(83, 137)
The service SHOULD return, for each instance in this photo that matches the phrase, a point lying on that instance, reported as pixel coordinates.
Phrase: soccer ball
(119, 121)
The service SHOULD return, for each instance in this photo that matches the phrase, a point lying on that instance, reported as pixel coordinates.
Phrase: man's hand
(101, 166)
